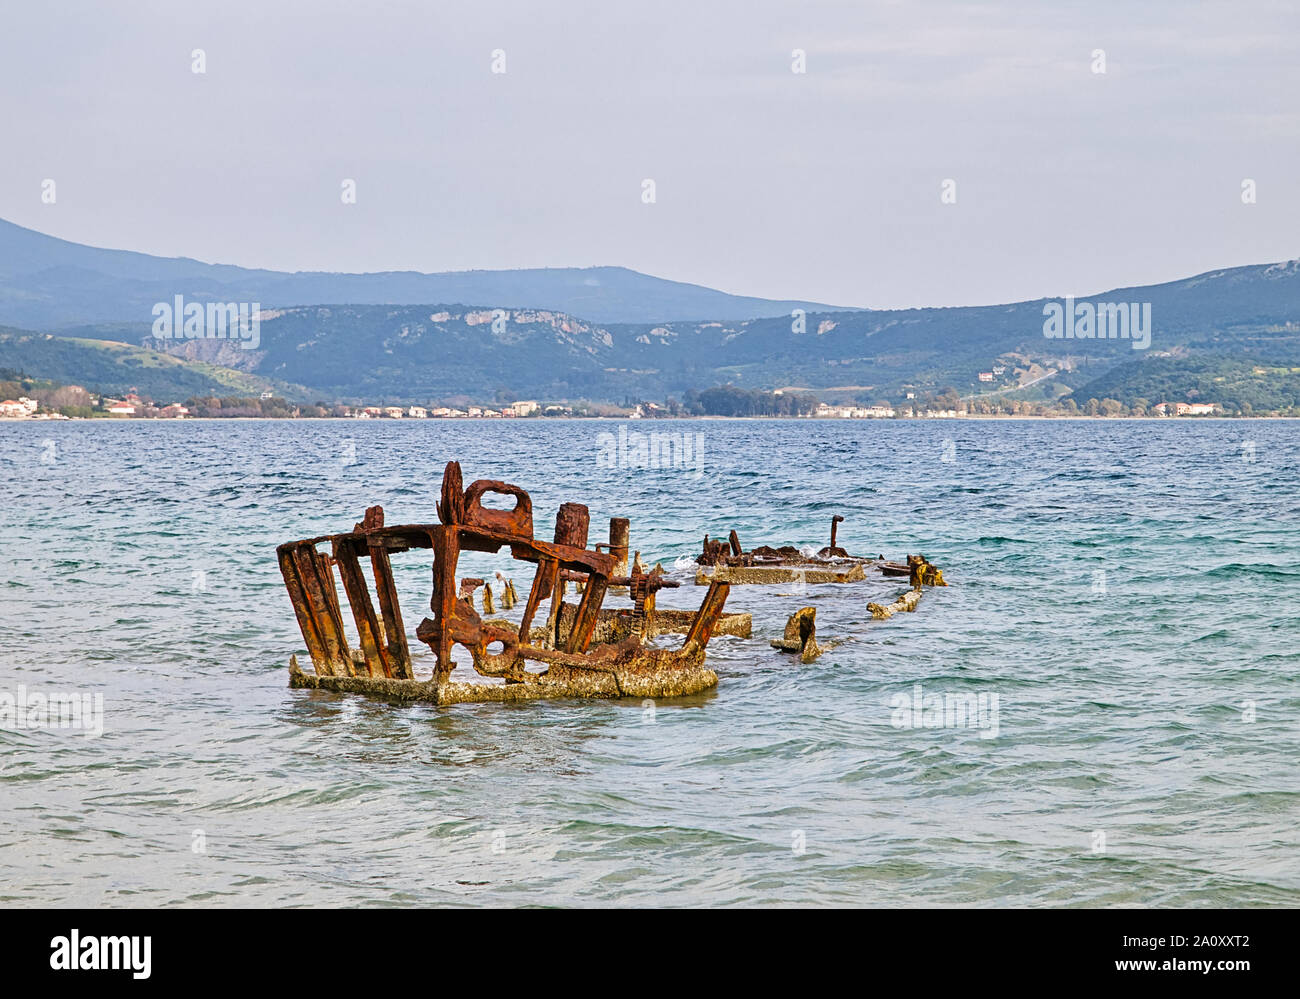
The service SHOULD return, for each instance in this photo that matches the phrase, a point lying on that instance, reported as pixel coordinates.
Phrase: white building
(1185, 408)
(418, 413)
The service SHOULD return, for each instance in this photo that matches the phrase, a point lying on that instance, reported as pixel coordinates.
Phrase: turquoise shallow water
(138, 563)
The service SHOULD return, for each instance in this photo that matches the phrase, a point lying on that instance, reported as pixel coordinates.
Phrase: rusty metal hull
(576, 664)
(681, 681)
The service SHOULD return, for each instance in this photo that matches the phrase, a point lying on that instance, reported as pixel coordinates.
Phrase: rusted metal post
(311, 633)
(446, 553)
(547, 571)
(619, 531)
(317, 583)
(363, 611)
(325, 570)
(584, 621)
(399, 654)
(388, 632)
(617, 549)
(706, 618)
(571, 524)
(557, 607)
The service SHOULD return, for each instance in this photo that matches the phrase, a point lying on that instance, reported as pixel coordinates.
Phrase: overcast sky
(824, 185)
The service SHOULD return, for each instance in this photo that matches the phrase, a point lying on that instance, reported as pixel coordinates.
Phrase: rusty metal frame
(575, 665)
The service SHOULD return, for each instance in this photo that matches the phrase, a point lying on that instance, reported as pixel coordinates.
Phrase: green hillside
(1239, 386)
(115, 368)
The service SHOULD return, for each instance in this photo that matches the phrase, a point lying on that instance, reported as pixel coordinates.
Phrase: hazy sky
(823, 185)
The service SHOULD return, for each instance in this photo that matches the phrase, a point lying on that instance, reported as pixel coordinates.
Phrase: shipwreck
(726, 561)
(583, 649)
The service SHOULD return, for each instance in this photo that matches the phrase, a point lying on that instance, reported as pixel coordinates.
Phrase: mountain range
(48, 283)
(552, 334)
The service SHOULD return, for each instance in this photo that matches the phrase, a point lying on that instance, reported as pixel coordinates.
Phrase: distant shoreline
(980, 418)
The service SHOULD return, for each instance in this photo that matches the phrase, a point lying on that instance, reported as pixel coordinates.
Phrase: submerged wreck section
(800, 635)
(918, 569)
(906, 601)
(577, 661)
(726, 561)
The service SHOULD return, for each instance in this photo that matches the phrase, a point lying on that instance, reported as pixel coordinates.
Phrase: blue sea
(1124, 598)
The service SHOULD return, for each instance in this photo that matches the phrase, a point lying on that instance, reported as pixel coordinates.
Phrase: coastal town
(133, 406)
